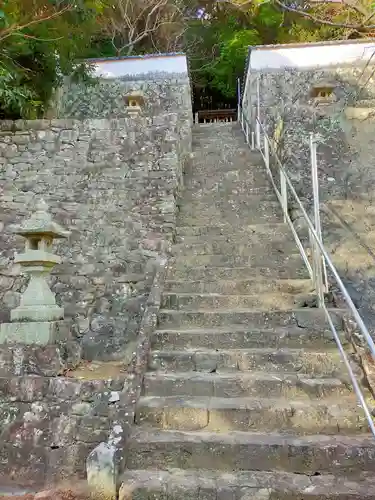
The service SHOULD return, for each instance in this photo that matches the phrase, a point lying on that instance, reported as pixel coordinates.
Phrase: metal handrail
(315, 234)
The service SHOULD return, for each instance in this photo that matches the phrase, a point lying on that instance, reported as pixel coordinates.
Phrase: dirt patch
(98, 370)
(61, 492)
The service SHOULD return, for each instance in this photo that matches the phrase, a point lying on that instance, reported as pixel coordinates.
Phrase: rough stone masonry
(344, 126)
(112, 182)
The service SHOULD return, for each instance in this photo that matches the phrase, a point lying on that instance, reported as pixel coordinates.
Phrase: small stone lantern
(38, 302)
(134, 102)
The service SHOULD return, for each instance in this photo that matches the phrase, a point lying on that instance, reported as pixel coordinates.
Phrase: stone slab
(43, 360)
(37, 313)
(339, 455)
(257, 485)
(35, 333)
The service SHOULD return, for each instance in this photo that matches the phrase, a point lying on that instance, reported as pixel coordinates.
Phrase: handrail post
(284, 194)
(258, 98)
(247, 132)
(266, 152)
(239, 107)
(257, 130)
(313, 263)
(252, 140)
(317, 257)
(257, 121)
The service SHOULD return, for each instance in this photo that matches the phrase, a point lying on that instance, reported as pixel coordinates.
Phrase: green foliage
(218, 46)
(230, 63)
(40, 40)
(16, 98)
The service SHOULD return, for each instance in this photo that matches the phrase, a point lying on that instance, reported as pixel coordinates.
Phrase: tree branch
(358, 27)
(15, 29)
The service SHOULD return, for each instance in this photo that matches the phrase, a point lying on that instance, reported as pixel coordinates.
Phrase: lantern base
(37, 313)
(35, 333)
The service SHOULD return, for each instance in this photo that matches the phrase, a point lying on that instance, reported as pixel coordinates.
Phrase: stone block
(45, 360)
(35, 333)
(101, 471)
(24, 389)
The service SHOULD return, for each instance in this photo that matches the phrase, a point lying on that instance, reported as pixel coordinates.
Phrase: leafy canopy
(40, 40)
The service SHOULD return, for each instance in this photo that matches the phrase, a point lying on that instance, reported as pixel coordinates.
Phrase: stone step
(208, 185)
(247, 217)
(211, 164)
(209, 174)
(212, 129)
(244, 337)
(244, 384)
(241, 286)
(211, 186)
(207, 143)
(245, 247)
(212, 201)
(223, 414)
(270, 301)
(242, 168)
(291, 269)
(301, 361)
(227, 190)
(203, 484)
(250, 204)
(273, 258)
(238, 451)
(238, 237)
(313, 319)
(249, 232)
(253, 201)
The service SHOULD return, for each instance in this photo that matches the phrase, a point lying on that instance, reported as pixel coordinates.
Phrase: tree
(39, 42)
(355, 18)
(217, 41)
(143, 24)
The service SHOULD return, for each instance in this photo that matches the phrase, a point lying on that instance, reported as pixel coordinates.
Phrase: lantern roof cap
(40, 223)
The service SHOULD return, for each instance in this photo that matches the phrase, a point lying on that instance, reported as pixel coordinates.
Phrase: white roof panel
(132, 66)
(310, 55)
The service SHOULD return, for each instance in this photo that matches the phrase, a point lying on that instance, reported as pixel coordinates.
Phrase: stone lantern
(134, 102)
(38, 302)
(38, 340)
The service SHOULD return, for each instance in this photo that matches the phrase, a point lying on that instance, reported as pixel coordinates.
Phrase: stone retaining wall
(345, 127)
(104, 98)
(49, 425)
(113, 183)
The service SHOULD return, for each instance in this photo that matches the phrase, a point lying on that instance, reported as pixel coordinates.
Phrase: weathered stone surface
(39, 333)
(304, 318)
(244, 384)
(208, 485)
(47, 360)
(50, 424)
(244, 399)
(226, 414)
(243, 451)
(113, 180)
(345, 130)
(101, 470)
(117, 194)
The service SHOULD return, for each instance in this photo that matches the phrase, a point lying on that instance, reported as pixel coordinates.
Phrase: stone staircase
(246, 396)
